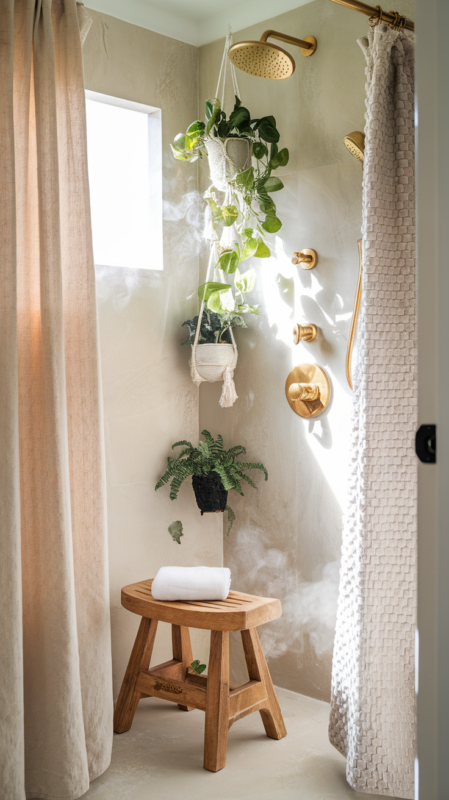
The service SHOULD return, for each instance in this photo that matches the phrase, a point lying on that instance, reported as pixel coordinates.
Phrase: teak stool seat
(174, 680)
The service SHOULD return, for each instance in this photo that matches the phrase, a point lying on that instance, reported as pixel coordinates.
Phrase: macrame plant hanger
(228, 394)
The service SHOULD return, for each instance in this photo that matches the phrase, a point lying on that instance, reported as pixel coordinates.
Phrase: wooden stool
(175, 680)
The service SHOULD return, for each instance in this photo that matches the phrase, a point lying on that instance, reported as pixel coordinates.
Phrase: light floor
(161, 757)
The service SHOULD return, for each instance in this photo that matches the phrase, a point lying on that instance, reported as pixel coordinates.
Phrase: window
(125, 177)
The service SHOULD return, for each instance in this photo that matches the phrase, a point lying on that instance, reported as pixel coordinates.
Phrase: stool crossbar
(224, 703)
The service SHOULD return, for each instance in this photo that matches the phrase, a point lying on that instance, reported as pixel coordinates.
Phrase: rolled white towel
(191, 583)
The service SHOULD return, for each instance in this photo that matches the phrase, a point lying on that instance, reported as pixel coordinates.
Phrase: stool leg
(217, 702)
(128, 698)
(182, 651)
(258, 671)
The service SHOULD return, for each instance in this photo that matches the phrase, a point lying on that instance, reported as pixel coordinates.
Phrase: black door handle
(426, 444)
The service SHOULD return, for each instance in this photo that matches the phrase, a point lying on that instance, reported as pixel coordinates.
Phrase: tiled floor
(161, 757)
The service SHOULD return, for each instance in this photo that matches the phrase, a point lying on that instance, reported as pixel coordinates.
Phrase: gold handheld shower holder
(308, 258)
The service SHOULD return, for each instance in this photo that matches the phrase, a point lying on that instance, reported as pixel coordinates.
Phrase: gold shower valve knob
(304, 391)
(308, 258)
(308, 390)
(304, 333)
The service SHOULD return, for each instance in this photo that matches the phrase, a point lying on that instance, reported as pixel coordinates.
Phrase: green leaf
(205, 291)
(280, 159)
(262, 250)
(181, 156)
(213, 110)
(273, 185)
(228, 261)
(175, 531)
(238, 102)
(246, 282)
(249, 248)
(197, 667)
(180, 142)
(229, 215)
(245, 178)
(269, 119)
(273, 151)
(260, 150)
(231, 519)
(268, 132)
(272, 224)
(222, 301)
(238, 116)
(196, 127)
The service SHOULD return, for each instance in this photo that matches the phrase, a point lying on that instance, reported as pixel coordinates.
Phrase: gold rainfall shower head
(266, 60)
(355, 142)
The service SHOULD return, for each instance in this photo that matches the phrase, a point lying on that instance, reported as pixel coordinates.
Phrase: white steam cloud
(308, 607)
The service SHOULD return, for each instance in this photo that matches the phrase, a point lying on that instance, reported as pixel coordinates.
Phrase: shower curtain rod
(392, 17)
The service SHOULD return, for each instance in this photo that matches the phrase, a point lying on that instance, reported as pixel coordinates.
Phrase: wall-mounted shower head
(266, 60)
(355, 142)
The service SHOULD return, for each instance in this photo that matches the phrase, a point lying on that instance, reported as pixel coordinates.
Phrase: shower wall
(287, 537)
(149, 399)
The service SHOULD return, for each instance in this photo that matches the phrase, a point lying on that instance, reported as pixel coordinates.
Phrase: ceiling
(194, 21)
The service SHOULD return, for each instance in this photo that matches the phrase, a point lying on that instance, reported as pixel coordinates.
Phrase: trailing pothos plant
(209, 457)
(224, 309)
(252, 209)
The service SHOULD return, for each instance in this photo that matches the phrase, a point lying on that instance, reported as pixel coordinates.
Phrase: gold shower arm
(283, 37)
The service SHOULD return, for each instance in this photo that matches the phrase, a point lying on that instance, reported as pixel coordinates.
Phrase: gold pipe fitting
(308, 258)
(304, 333)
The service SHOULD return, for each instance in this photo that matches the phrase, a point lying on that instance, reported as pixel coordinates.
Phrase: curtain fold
(56, 712)
(372, 719)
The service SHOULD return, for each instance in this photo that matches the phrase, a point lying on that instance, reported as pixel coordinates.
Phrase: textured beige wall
(286, 541)
(149, 399)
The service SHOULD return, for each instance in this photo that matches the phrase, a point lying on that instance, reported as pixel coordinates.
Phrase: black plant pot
(210, 493)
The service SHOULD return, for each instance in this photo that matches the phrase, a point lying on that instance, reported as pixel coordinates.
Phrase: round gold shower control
(308, 258)
(308, 390)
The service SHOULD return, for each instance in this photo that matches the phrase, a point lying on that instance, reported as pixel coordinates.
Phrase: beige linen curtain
(372, 718)
(55, 686)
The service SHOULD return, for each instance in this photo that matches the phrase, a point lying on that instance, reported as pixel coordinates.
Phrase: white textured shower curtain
(55, 661)
(372, 718)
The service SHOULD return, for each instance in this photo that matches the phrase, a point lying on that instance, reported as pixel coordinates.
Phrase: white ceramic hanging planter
(212, 360)
(227, 158)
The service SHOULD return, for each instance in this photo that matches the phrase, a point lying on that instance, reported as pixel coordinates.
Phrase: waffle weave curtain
(55, 661)
(372, 718)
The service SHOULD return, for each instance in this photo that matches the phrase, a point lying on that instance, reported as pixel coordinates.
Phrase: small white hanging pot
(215, 362)
(212, 360)
(227, 158)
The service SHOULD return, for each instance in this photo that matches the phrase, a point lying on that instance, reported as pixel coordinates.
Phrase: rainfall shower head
(355, 142)
(266, 60)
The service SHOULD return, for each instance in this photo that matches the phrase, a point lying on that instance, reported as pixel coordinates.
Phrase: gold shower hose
(355, 316)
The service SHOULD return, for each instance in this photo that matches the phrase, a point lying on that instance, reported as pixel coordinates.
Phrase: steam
(187, 239)
(308, 607)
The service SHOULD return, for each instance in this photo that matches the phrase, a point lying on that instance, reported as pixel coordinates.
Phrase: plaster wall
(287, 537)
(149, 399)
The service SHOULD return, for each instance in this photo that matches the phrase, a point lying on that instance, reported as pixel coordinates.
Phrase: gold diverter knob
(308, 390)
(308, 258)
(304, 333)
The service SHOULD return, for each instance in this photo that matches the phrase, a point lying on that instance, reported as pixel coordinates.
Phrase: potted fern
(214, 470)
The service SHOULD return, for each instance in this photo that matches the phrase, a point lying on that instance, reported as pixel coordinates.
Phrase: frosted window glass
(126, 216)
